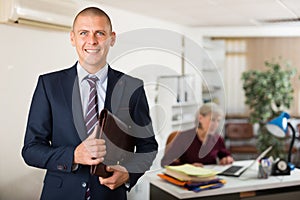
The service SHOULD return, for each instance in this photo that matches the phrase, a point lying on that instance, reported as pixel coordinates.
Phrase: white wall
(27, 52)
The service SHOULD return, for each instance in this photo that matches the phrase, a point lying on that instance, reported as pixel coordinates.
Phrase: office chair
(240, 140)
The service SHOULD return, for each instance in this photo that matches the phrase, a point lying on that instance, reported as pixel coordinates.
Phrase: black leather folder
(119, 143)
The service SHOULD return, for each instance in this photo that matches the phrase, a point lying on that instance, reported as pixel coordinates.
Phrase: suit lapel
(71, 93)
(115, 89)
(70, 85)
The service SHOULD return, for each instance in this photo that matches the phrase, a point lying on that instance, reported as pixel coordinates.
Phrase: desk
(275, 187)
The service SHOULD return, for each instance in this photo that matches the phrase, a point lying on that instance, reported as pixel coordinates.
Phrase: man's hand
(91, 151)
(119, 177)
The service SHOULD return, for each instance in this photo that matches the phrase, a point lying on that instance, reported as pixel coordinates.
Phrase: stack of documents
(188, 172)
(191, 177)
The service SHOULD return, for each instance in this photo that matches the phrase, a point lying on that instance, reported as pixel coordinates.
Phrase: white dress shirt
(85, 87)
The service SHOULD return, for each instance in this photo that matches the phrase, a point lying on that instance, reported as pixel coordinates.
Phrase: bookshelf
(176, 96)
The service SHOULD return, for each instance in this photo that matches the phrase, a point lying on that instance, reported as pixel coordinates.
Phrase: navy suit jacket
(55, 127)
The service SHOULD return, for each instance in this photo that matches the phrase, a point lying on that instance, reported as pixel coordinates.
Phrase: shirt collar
(101, 74)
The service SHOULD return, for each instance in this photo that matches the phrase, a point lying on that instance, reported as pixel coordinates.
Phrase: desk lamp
(278, 127)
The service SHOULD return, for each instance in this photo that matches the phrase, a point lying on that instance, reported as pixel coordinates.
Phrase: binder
(119, 143)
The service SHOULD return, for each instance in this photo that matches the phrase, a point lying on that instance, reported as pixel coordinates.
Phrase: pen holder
(264, 169)
(262, 172)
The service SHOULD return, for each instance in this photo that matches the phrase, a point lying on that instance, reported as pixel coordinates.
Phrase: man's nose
(92, 39)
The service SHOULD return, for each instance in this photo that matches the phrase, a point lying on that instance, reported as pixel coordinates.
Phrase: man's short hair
(93, 11)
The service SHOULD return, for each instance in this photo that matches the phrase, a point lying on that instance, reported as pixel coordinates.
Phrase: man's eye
(83, 33)
(100, 33)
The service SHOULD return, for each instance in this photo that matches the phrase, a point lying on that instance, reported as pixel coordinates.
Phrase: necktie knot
(92, 80)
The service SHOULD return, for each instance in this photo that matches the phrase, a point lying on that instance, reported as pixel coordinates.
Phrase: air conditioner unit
(57, 14)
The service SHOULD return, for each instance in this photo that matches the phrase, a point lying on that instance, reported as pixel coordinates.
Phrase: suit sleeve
(146, 145)
(39, 150)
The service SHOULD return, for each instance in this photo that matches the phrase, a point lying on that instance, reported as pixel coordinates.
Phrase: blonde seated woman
(201, 145)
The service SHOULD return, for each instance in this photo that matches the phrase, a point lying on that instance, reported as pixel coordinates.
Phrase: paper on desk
(193, 170)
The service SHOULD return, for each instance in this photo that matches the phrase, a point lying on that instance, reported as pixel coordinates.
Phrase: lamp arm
(292, 142)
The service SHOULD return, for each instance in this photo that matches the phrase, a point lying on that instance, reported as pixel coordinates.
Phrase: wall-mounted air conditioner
(56, 14)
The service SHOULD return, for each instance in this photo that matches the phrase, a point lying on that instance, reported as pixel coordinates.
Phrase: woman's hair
(208, 108)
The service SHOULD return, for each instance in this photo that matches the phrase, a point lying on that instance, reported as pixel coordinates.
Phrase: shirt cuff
(127, 184)
(74, 167)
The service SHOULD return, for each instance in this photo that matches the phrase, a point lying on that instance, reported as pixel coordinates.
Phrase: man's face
(92, 37)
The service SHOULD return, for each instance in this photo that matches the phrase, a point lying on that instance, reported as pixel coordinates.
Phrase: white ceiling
(199, 13)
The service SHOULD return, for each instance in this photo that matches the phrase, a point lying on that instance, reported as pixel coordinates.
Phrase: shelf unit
(183, 115)
(213, 65)
(180, 96)
(176, 96)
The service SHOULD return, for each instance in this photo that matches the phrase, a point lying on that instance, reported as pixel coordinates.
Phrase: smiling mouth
(92, 50)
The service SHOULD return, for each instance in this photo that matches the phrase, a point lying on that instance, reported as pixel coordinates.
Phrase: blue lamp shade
(279, 125)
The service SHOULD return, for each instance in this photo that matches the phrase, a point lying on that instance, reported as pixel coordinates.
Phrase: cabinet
(178, 100)
(210, 93)
(213, 73)
(179, 97)
(183, 115)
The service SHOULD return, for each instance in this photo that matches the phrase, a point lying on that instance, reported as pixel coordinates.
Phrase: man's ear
(113, 39)
(72, 36)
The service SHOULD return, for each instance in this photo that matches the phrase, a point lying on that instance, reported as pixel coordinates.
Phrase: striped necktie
(91, 118)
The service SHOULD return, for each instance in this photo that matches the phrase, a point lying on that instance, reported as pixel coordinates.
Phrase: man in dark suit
(56, 137)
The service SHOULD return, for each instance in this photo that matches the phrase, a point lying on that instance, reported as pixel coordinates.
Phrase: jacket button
(83, 184)
(61, 167)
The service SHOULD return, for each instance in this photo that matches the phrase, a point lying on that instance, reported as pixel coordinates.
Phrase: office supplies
(280, 167)
(237, 170)
(194, 186)
(188, 172)
(264, 168)
(286, 187)
(207, 187)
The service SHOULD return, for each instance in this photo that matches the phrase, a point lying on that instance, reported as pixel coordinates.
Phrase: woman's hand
(198, 164)
(226, 160)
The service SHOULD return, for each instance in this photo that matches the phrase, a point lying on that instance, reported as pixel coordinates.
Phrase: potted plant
(268, 93)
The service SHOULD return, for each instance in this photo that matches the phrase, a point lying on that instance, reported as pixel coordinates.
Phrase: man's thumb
(109, 169)
(95, 133)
